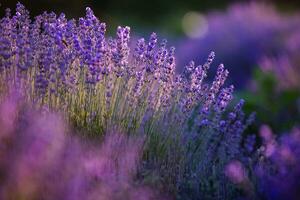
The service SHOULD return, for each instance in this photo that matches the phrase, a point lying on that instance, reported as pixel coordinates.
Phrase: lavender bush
(101, 85)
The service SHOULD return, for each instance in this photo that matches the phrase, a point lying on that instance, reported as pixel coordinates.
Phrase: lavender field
(86, 114)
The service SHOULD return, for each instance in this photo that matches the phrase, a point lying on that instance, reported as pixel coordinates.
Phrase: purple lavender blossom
(100, 85)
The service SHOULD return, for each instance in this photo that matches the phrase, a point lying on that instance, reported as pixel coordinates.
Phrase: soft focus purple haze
(241, 37)
(286, 64)
(235, 172)
(279, 169)
(39, 159)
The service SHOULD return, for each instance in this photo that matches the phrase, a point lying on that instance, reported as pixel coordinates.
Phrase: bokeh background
(164, 16)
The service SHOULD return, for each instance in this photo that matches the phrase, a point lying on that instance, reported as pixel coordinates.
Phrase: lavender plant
(211, 150)
(101, 85)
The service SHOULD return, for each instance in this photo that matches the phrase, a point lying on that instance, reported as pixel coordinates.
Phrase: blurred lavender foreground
(242, 36)
(39, 159)
(279, 174)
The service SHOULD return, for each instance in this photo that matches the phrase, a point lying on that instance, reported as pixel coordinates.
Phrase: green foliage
(280, 108)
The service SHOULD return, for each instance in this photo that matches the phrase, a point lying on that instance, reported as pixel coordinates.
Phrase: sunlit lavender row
(71, 66)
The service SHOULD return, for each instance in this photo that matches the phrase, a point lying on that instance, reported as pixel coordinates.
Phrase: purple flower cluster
(211, 150)
(67, 64)
(100, 84)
